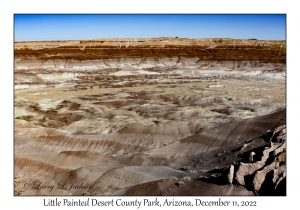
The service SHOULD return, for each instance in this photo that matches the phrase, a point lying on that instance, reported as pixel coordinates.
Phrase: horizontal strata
(151, 54)
(227, 53)
(148, 65)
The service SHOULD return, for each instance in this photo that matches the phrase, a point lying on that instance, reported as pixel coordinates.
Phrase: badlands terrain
(160, 116)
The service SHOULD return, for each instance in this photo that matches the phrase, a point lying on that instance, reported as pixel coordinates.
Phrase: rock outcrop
(270, 169)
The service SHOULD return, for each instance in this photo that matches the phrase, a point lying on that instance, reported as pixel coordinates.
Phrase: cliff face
(152, 53)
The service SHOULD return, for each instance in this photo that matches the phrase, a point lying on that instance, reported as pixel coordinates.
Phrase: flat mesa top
(160, 41)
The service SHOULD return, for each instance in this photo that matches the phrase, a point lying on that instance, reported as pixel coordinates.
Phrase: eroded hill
(123, 115)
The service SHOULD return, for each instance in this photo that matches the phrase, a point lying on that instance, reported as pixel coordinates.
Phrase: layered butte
(160, 116)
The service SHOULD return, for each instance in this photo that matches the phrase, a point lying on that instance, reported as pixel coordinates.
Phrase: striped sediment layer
(107, 54)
